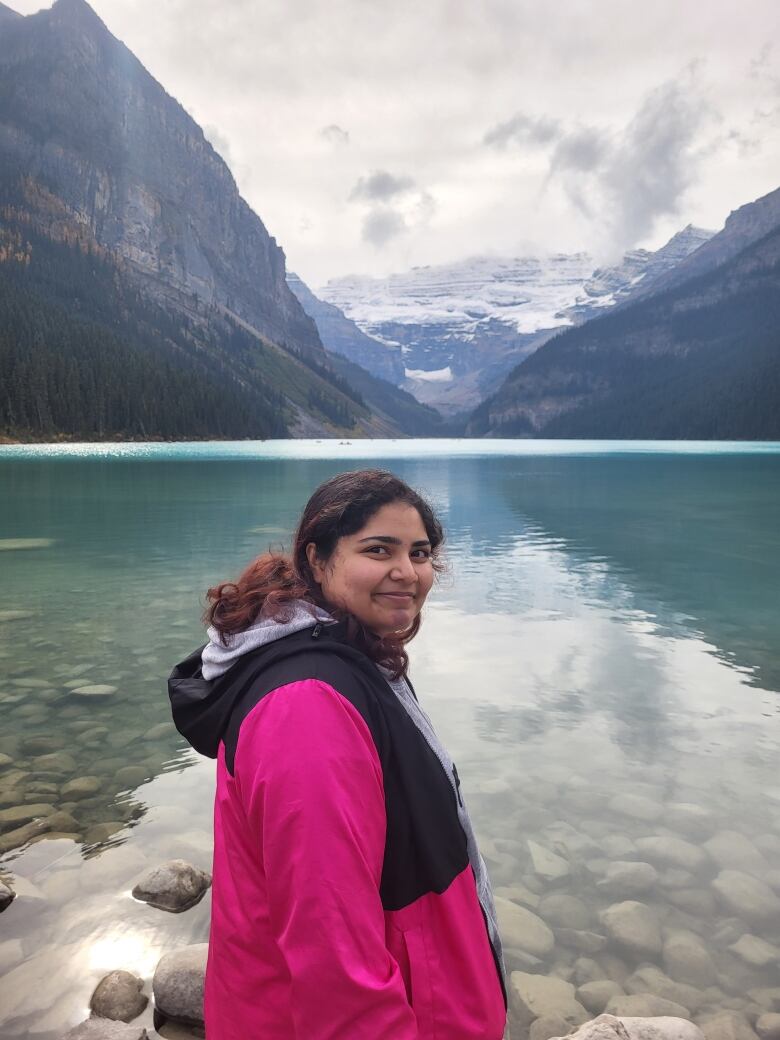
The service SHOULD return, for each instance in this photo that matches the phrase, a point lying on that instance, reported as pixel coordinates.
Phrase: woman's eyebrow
(389, 540)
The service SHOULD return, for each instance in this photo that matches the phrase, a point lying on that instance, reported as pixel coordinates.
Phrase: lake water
(602, 659)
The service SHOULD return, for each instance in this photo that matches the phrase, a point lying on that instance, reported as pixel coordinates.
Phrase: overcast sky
(373, 136)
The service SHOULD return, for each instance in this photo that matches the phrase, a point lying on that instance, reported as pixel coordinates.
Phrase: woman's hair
(340, 507)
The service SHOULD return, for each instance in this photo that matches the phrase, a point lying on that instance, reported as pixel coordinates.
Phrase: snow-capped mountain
(460, 328)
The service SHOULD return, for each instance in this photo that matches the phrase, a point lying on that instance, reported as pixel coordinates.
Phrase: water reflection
(600, 659)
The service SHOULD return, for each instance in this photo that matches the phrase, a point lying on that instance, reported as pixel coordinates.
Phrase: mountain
(459, 329)
(699, 360)
(358, 359)
(106, 181)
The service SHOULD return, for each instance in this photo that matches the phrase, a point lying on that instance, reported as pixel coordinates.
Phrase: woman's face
(383, 573)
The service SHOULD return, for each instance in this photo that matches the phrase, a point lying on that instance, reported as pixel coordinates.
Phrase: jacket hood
(202, 708)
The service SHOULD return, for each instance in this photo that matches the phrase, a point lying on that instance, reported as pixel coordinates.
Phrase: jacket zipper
(456, 778)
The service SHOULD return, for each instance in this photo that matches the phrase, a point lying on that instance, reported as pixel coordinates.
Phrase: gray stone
(687, 958)
(131, 776)
(633, 925)
(661, 1027)
(15, 615)
(587, 970)
(173, 886)
(627, 878)
(768, 1027)
(755, 951)
(560, 908)
(697, 901)
(55, 762)
(104, 1029)
(733, 851)
(645, 1005)
(688, 818)
(596, 995)
(518, 893)
(580, 940)
(160, 731)
(5, 761)
(673, 852)
(548, 1026)
(81, 787)
(746, 896)
(39, 745)
(100, 832)
(94, 690)
(178, 984)
(548, 865)
(650, 979)
(523, 930)
(118, 996)
(727, 1025)
(19, 814)
(537, 996)
(767, 997)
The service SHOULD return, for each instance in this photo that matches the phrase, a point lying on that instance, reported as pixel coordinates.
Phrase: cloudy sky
(371, 137)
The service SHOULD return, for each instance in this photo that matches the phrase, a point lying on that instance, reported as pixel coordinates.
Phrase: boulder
(746, 896)
(94, 690)
(596, 995)
(178, 984)
(541, 996)
(581, 940)
(687, 818)
(687, 958)
(59, 762)
(548, 1026)
(627, 878)
(633, 925)
(609, 1027)
(697, 901)
(131, 776)
(21, 814)
(523, 930)
(645, 1005)
(174, 886)
(118, 996)
(756, 952)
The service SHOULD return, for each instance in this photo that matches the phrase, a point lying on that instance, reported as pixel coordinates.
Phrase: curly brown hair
(270, 584)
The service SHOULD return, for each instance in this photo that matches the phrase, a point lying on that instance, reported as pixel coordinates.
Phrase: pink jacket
(301, 946)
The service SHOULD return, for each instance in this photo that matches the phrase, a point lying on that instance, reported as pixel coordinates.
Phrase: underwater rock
(94, 690)
(105, 1029)
(768, 1027)
(732, 850)
(673, 852)
(756, 952)
(523, 930)
(633, 925)
(637, 807)
(645, 1005)
(650, 979)
(727, 1025)
(81, 787)
(537, 996)
(564, 910)
(628, 878)
(548, 866)
(7, 896)
(687, 958)
(597, 994)
(746, 896)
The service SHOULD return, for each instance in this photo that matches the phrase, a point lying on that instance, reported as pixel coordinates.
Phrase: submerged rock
(178, 984)
(537, 996)
(564, 910)
(746, 896)
(523, 930)
(727, 1025)
(645, 1005)
(118, 996)
(756, 952)
(633, 925)
(95, 690)
(596, 995)
(732, 850)
(628, 878)
(673, 852)
(81, 787)
(548, 866)
(650, 979)
(687, 958)
(173, 886)
(20, 544)
(609, 1027)
(637, 807)
(768, 1027)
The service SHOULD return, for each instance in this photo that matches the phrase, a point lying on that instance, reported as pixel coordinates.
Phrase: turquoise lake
(602, 658)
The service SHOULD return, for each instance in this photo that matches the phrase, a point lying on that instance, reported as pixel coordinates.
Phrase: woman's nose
(403, 571)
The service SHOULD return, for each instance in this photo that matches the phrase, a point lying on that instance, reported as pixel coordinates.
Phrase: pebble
(634, 926)
(174, 886)
(178, 984)
(118, 996)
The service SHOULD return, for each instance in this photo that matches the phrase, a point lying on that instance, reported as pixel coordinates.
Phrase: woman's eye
(376, 549)
(421, 554)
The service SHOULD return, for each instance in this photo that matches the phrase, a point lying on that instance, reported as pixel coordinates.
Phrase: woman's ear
(314, 562)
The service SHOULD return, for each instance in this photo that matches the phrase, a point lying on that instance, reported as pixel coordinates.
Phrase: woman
(349, 899)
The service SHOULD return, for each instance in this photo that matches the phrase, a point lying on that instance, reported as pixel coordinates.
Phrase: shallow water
(609, 628)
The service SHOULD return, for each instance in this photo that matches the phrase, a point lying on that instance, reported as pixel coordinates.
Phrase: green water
(609, 625)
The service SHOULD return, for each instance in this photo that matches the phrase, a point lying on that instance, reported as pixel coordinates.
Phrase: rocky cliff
(83, 120)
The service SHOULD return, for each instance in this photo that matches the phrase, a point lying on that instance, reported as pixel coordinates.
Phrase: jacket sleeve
(311, 784)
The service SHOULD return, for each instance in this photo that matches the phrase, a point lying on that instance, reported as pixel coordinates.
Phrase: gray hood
(217, 657)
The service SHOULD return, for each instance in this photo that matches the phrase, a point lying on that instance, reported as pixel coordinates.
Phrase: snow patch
(439, 375)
